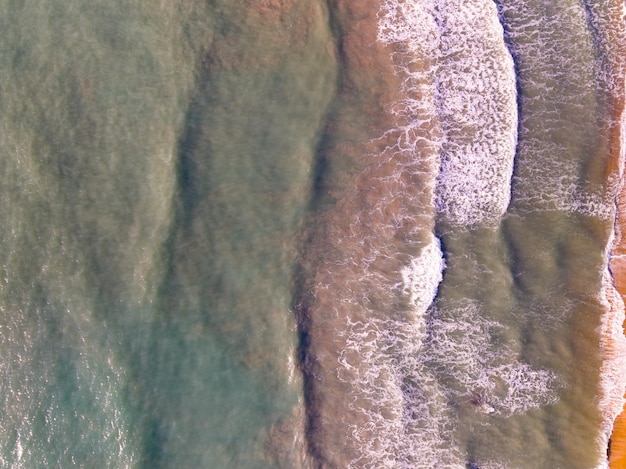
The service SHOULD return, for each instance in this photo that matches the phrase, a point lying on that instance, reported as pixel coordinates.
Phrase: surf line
(606, 20)
(613, 341)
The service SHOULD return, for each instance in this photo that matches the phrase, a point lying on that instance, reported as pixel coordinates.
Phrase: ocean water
(283, 234)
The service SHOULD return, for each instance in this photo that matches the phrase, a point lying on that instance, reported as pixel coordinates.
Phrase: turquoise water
(305, 234)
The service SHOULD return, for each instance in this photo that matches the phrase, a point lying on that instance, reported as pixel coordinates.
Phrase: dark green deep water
(176, 290)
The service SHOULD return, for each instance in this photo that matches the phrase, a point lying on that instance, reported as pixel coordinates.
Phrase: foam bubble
(421, 278)
(463, 111)
(397, 381)
(613, 341)
(613, 347)
(469, 83)
(561, 73)
(462, 346)
(403, 412)
(551, 183)
(609, 34)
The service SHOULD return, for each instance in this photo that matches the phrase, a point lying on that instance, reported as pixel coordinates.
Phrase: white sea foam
(399, 400)
(560, 73)
(552, 183)
(613, 370)
(469, 83)
(422, 277)
(461, 345)
(406, 371)
(607, 20)
(380, 355)
(613, 341)
(608, 23)
(457, 73)
(399, 391)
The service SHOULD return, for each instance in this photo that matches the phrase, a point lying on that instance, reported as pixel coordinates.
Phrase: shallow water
(320, 234)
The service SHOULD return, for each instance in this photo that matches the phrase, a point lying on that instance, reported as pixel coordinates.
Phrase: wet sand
(617, 445)
(617, 455)
(617, 263)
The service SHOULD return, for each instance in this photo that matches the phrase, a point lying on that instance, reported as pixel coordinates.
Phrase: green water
(156, 161)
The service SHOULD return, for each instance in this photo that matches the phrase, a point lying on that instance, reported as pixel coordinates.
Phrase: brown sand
(615, 39)
(617, 447)
(611, 40)
(617, 453)
(617, 458)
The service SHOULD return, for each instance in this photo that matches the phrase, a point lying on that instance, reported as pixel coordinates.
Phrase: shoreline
(616, 450)
(614, 327)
